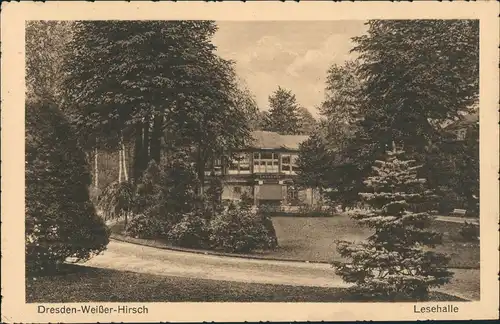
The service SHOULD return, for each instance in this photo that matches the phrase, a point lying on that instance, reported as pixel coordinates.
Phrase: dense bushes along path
(130, 257)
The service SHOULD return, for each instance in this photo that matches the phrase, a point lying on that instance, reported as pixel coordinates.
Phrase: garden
(171, 129)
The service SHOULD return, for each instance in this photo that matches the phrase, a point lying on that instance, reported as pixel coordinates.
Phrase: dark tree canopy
(409, 77)
(283, 115)
(154, 81)
(61, 221)
(417, 73)
(46, 44)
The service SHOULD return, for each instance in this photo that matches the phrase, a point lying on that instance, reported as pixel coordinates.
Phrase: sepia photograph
(244, 161)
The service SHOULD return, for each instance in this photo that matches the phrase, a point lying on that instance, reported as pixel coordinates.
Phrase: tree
(61, 221)
(260, 120)
(332, 159)
(344, 94)
(306, 121)
(393, 264)
(46, 43)
(314, 162)
(216, 121)
(213, 196)
(144, 81)
(125, 79)
(283, 115)
(404, 84)
(455, 170)
(417, 73)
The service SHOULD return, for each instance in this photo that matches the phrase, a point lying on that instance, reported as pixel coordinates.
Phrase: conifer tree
(395, 263)
(283, 116)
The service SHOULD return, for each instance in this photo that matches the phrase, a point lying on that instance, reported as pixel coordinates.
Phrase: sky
(295, 55)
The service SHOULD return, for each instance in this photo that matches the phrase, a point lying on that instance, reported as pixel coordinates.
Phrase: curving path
(130, 257)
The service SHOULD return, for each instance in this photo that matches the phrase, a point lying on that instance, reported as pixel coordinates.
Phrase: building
(265, 171)
(458, 129)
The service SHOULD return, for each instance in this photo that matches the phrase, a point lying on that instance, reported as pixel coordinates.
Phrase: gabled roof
(272, 140)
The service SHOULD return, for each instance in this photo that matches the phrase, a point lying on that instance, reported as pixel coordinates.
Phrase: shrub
(163, 195)
(469, 232)
(117, 200)
(147, 225)
(190, 232)
(449, 201)
(314, 211)
(61, 222)
(240, 230)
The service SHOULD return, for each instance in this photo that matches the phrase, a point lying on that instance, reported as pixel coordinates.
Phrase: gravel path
(141, 259)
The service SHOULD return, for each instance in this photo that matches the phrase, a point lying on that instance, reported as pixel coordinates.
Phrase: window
(237, 190)
(285, 164)
(240, 164)
(214, 166)
(289, 163)
(266, 162)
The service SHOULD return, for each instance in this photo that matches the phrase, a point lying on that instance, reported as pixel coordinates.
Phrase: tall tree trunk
(156, 136)
(124, 160)
(120, 165)
(138, 164)
(145, 144)
(96, 169)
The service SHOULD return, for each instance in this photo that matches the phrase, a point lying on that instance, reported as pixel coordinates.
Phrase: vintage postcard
(259, 161)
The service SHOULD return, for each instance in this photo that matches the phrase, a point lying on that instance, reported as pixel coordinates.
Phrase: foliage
(270, 239)
(439, 71)
(344, 95)
(165, 193)
(366, 106)
(147, 225)
(332, 158)
(283, 115)
(314, 211)
(213, 196)
(314, 162)
(144, 81)
(117, 199)
(191, 232)
(61, 221)
(307, 122)
(240, 230)
(469, 232)
(455, 169)
(392, 263)
(46, 42)
(246, 201)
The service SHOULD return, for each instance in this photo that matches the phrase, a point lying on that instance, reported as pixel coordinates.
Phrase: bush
(61, 222)
(241, 230)
(469, 232)
(117, 200)
(314, 211)
(190, 232)
(449, 201)
(147, 225)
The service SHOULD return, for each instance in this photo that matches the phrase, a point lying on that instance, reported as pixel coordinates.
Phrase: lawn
(87, 284)
(313, 239)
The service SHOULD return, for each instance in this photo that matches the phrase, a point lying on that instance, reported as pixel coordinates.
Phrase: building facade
(265, 171)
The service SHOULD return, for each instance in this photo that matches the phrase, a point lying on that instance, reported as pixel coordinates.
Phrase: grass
(313, 239)
(87, 284)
